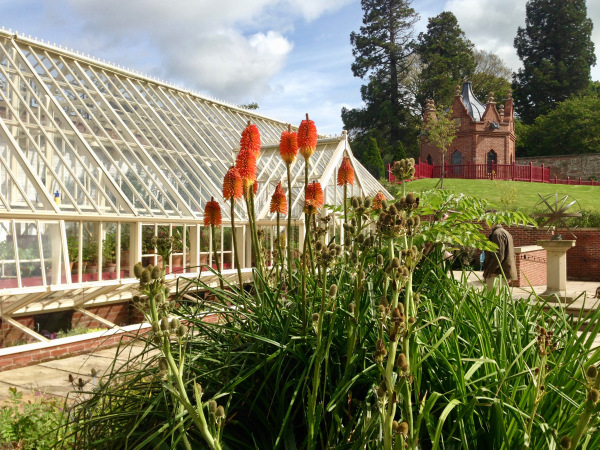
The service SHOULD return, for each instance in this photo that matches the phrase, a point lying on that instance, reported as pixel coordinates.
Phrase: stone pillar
(556, 273)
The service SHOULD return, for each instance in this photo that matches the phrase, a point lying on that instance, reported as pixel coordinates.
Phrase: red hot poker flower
(313, 198)
(307, 138)
(251, 139)
(288, 146)
(377, 200)
(345, 173)
(232, 185)
(212, 213)
(245, 164)
(278, 201)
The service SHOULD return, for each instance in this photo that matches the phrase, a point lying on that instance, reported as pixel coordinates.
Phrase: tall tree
(372, 159)
(491, 74)
(383, 56)
(557, 52)
(447, 59)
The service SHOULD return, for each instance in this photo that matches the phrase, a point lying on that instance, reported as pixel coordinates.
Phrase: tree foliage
(447, 59)
(572, 128)
(383, 56)
(440, 132)
(491, 74)
(557, 51)
(371, 159)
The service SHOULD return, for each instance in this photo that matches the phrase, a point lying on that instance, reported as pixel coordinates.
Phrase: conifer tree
(372, 159)
(383, 57)
(447, 59)
(557, 52)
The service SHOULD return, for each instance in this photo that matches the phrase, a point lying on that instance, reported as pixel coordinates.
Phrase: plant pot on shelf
(177, 260)
(92, 268)
(111, 267)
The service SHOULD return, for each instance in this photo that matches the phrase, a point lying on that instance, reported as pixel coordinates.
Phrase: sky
(292, 57)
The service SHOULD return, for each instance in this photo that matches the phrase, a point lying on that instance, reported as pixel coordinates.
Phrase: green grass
(526, 193)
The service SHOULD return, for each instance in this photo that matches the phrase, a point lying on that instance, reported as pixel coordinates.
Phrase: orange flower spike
(313, 198)
(288, 146)
(377, 200)
(212, 213)
(278, 201)
(245, 164)
(307, 138)
(251, 139)
(345, 173)
(232, 185)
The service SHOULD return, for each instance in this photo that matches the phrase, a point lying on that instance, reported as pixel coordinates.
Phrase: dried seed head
(402, 363)
(403, 429)
(162, 364)
(157, 339)
(393, 211)
(138, 269)
(333, 290)
(199, 389)
(212, 406)
(318, 246)
(592, 372)
(417, 220)
(381, 390)
(220, 412)
(368, 202)
(410, 222)
(145, 277)
(164, 324)
(396, 315)
(384, 203)
(395, 263)
(401, 308)
(351, 308)
(379, 345)
(354, 202)
(411, 320)
(593, 395)
(174, 324)
(381, 310)
(380, 260)
(395, 426)
(565, 442)
(182, 330)
(155, 273)
(315, 317)
(411, 198)
(155, 326)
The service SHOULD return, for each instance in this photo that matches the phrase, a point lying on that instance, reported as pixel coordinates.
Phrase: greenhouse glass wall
(95, 160)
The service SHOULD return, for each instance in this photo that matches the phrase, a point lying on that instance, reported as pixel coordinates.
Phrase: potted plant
(73, 249)
(177, 255)
(90, 255)
(109, 248)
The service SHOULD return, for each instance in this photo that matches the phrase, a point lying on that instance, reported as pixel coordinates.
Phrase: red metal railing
(492, 171)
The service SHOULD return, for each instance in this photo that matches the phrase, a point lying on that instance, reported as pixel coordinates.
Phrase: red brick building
(485, 133)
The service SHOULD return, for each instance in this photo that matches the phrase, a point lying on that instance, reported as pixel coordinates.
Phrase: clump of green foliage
(33, 424)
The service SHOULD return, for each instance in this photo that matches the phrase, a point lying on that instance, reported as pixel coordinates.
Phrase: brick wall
(573, 166)
(531, 268)
(27, 358)
(124, 313)
(583, 260)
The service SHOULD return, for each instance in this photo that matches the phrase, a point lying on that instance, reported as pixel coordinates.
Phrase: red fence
(491, 171)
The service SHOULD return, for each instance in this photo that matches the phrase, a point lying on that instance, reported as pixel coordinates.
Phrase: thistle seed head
(315, 317)
(174, 324)
(380, 260)
(145, 277)
(368, 202)
(411, 198)
(212, 407)
(164, 324)
(384, 203)
(351, 308)
(162, 364)
(155, 273)
(592, 372)
(138, 269)
(402, 363)
(333, 289)
(354, 202)
(403, 429)
(395, 263)
(155, 326)
(220, 412)
(593, 395)
(565, 442)
(182, 330)
(318, 246)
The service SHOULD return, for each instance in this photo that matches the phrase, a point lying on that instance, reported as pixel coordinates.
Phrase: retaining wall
(573, 166)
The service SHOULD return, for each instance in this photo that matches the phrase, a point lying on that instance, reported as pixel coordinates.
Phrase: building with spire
(485, 133)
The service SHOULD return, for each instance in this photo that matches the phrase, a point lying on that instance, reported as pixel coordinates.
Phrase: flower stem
(212, 239)
(235, 252)
(289, 228)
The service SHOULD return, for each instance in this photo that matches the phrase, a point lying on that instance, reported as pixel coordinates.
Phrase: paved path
(52, 377)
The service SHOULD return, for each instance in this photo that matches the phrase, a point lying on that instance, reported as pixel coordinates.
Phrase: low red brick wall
(27, 358)
(583, 260)
(531, 268)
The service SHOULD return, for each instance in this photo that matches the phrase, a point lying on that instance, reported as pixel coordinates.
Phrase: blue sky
(290, 56)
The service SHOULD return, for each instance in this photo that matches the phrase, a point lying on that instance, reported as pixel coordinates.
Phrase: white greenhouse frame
(91, 152)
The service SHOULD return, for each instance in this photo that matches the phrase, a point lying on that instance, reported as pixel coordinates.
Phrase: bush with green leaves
(37, 424)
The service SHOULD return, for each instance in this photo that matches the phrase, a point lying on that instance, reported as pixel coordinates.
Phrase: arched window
(456, 161)
(456, 158)
(429, 160)
(492, 157)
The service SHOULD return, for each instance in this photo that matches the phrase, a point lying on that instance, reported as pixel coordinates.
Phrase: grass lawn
(519, 194)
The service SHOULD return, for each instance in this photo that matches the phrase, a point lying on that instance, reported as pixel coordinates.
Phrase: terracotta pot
(111, 267)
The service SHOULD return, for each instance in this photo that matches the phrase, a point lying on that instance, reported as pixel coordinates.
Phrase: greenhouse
(96, 160)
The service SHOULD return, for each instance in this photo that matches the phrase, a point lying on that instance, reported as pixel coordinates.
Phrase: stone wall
(573, 166)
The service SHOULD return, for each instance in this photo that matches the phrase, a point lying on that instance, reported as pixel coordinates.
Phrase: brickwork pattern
(531, 269)
(572, 166)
